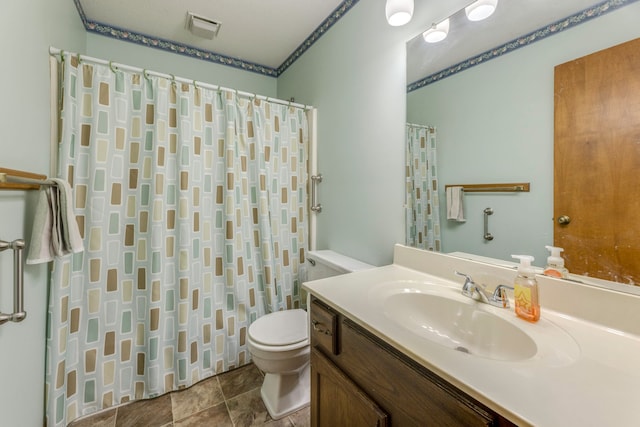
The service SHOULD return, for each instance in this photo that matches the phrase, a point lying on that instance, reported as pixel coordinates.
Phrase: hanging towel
(55, 230)
(455, 211)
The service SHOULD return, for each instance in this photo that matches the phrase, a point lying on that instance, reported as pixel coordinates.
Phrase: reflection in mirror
(422, 214)
(496, 121)
(596, 160)
(513, 24)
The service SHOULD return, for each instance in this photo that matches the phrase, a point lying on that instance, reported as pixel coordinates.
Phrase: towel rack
(517, 187)
(12, 179)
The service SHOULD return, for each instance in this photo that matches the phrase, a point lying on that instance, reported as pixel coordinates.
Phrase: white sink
(442, 315)
(459, 325)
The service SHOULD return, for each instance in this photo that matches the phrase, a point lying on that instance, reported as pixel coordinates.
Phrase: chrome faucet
(479, 292)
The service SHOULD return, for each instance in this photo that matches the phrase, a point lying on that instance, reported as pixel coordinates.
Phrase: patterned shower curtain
(192, 206)
(422, 221)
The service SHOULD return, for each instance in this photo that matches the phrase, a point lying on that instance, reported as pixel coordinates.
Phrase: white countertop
(592, 379)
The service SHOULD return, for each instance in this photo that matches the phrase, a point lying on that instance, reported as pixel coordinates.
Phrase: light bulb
(398, 12)
(437, 32)
(481, 9)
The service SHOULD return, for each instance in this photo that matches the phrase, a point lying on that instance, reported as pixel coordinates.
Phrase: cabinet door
(413, 395)
(336, 401)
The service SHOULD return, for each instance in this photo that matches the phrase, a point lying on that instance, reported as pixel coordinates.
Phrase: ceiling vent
(201, 26)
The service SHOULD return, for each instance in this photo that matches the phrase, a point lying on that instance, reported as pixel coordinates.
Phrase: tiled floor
(231, 399)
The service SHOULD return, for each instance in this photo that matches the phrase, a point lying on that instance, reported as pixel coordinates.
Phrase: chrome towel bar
(18, 314)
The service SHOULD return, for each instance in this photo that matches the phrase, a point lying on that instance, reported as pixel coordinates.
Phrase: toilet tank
(327, 263)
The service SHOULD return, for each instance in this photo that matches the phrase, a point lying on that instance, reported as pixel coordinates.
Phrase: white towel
(455, 210)
(55, 230)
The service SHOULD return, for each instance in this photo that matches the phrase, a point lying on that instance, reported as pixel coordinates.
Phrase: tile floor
(230, 399)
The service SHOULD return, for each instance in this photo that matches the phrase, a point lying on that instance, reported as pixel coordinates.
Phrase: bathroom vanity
(352, 370)
(400, 345)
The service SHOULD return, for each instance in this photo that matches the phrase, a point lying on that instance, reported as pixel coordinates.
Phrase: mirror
(495, 122)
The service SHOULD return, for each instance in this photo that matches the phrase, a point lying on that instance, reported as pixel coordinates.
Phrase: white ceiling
(268, 32)
(264, 32)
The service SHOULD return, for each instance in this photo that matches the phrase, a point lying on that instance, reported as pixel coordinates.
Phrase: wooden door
(597, 163)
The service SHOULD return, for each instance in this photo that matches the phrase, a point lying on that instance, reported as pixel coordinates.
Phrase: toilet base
(285, 394)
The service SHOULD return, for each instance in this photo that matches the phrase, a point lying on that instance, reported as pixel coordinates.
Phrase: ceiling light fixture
(398, 12)
(437, 32)
(201, 26)
(481, 9)
(476, 11)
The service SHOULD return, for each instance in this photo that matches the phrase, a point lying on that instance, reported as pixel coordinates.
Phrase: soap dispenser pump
(555, 264)
(526, 290)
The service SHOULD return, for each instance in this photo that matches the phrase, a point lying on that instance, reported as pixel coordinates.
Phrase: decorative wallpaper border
(540, 34)
(334, 17)
(205, 55)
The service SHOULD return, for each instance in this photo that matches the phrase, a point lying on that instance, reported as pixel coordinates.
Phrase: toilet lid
(280, 328)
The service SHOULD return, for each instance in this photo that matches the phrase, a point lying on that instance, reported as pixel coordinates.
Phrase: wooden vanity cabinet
(359, 380)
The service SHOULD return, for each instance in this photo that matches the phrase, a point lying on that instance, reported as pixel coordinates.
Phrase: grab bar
(487, 236)
(315, 180)
(18, 314)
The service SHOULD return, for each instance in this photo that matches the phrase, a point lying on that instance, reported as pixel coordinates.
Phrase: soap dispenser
(555, 264)
(526, 290)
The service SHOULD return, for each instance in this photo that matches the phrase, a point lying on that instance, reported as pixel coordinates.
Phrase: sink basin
(460, 325)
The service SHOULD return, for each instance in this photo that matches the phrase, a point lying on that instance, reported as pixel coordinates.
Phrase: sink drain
(463, 349)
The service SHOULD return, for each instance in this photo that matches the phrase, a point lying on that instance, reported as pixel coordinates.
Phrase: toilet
(279, 342)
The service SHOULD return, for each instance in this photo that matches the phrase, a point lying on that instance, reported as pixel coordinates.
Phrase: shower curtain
(422, 222)
(192, 206)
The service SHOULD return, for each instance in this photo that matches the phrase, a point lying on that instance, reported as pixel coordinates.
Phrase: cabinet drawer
(324, 328)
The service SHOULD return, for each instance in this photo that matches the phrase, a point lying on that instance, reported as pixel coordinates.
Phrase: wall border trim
(205, 55)
(522, 41)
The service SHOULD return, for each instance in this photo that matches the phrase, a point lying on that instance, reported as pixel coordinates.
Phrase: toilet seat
(280, 329)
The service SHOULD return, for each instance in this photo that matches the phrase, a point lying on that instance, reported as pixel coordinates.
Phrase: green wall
(355, 76)
(360, 118)
(28, 29)
(495, 124)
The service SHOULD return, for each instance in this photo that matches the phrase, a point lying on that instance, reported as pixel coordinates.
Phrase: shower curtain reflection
(422, 211)
(192, 206)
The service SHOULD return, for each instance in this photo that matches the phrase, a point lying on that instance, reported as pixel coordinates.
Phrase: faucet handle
(469, 286)
(466, 276)
(503, 287)
(500, 295)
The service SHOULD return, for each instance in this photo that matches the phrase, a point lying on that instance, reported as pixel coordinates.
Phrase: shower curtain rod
(53, 51)
(431, 128)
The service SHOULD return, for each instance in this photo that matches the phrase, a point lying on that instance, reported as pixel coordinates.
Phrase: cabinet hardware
(320, 328)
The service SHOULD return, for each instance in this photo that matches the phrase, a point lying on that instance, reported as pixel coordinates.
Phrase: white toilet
(279, 342)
